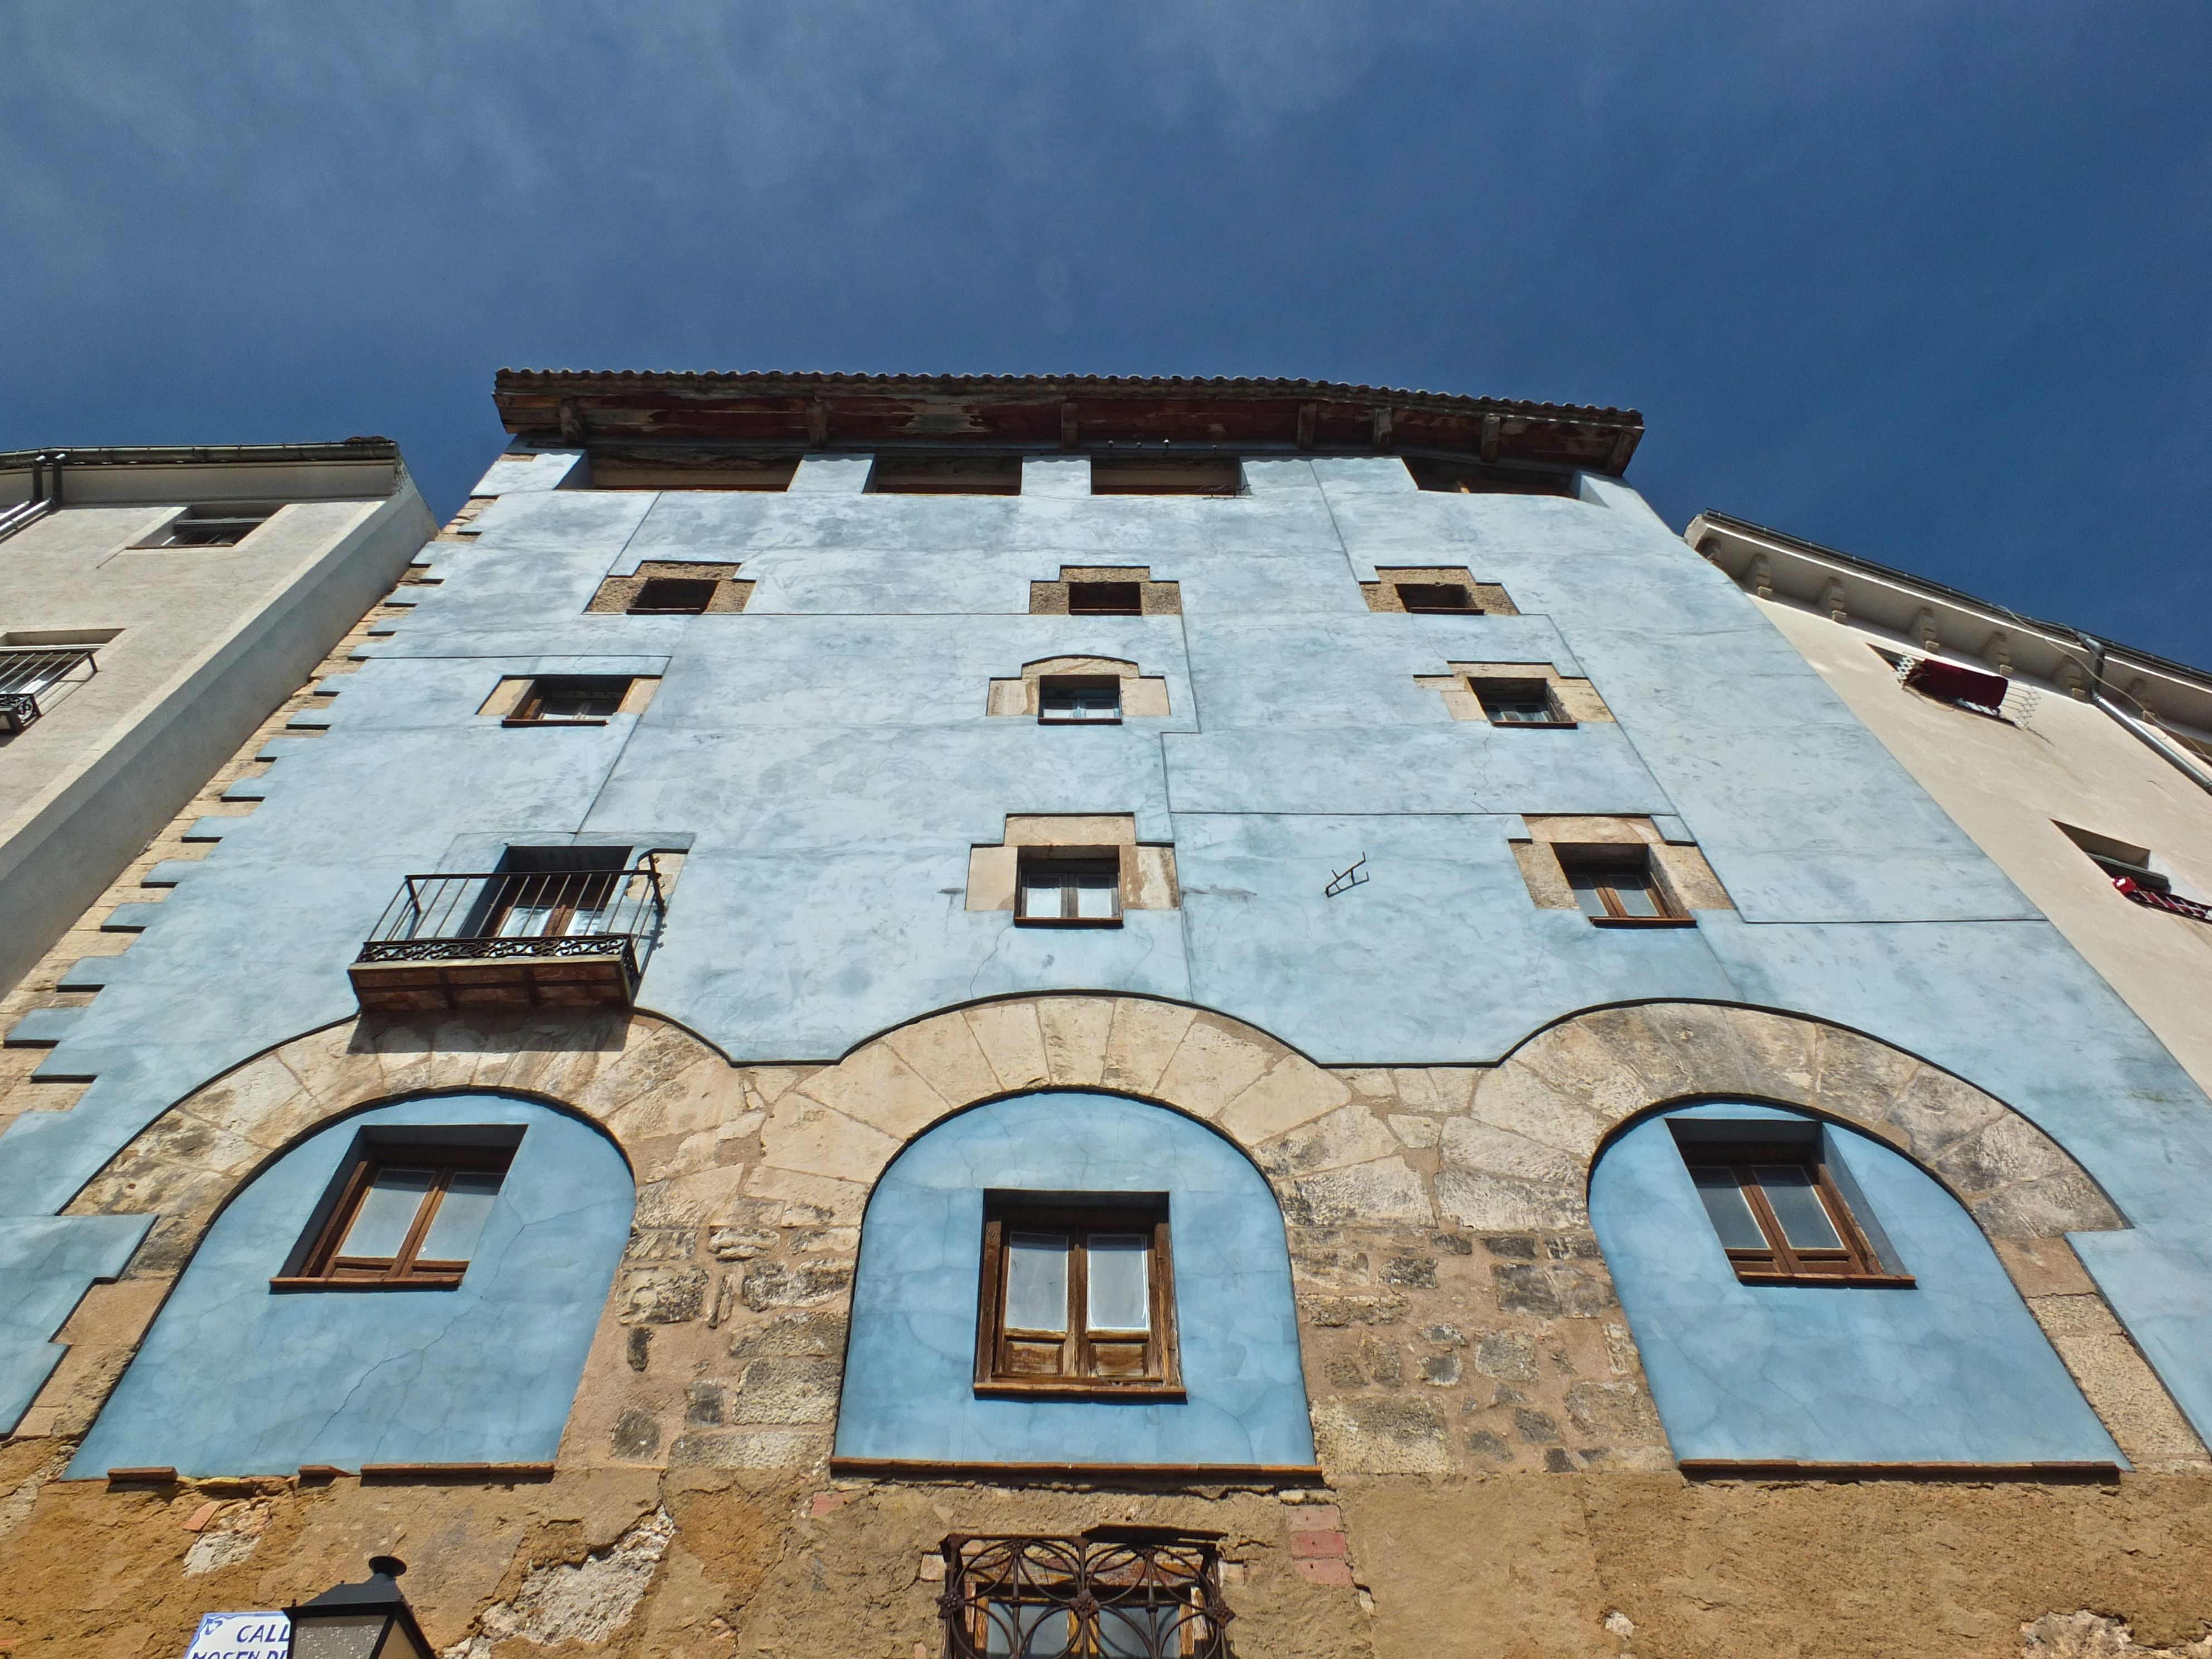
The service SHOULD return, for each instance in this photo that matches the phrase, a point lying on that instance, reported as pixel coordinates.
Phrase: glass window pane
(1041, 895)
(1586, 883)
(1036, 1282)
(1120, 1282)
(1724, 1203)
(1797, 1206)
(1634, 899)
(461, 1216)
(379, 1226)
(1138, 1633)
(1026, 1630)
(1097, 895)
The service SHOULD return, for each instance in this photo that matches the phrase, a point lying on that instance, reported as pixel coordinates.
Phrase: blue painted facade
(826, 761)
(910, 1370)
(237, 1378)
(1953, 1368)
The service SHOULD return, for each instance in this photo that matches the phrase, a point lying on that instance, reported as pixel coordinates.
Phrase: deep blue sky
(1926, 282)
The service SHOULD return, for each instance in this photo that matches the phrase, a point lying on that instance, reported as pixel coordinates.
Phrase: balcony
(573, 937)
(1115, 1593)
(27, 675)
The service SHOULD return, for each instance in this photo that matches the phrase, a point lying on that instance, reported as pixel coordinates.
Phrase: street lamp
(368, 1621)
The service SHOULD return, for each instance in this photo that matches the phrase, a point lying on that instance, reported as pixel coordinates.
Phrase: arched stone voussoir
(1570, 1086)
(845, 1123)
(654, 1087)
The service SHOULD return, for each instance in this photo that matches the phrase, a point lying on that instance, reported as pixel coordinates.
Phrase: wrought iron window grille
(522, 914)
(24, 676)
(1112, 1594)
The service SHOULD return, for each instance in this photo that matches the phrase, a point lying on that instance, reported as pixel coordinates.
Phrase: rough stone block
(1293, 1091)
(804, 1135)
(943, 1052)
(872, 1086)
(1076, 1029)
(1383, 1192)
(786, 1391)
(1143, 1040)
(1213, 1064)
(1012, 1043)
(1381, 1436)
(1349, 1135)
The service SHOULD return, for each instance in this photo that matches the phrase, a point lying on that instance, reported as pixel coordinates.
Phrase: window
(402, 1216)
(25, 676)
(677, 469)
(1061, 889)
(1070, 700)
(571, 700)
(1162, 475)
(673, 596)
(1614, 887)
(964, 474)
(1105, 599)
(215, 526)
(1115, 1593)
(1963, 687)
(576, 902)
(2135, 874)
(1077, 1296)
(1469, 478)
(1518, 703)
(1780, 1216)
(1437, 598)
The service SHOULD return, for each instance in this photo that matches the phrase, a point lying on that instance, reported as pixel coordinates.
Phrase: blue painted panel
(236, 1379)
(910, 1371)
(47, 1265)
(1955, 1369)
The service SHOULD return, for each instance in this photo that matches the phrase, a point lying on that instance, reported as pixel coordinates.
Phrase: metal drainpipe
(2147, 736)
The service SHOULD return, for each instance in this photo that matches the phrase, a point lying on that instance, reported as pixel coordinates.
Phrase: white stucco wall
(2008, 787)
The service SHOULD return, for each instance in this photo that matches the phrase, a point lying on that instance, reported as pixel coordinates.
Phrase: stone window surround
(1679, 869)
(1577, 698)
(509, 695)
(1485, 599)
(1518, 1139)
(617, 594)
(1148, 869)
(1144, 696)
(1157, 599)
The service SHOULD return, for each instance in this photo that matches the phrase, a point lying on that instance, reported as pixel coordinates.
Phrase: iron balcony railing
(25, 676)
(1110, 1595)
(524, 914)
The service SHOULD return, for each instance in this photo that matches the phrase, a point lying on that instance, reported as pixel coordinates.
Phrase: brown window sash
(1437, 598)
(1046, 874)
(593, 691)
(1608, 879)
(1854, 1263)
(407, 1268)
(673, 596)
(1009, 1361)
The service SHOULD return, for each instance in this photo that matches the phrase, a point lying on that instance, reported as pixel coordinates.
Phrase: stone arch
(1572, 1085)
(1325, 1153)
(641, 1079)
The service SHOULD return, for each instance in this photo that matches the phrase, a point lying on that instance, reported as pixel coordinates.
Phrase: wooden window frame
(586, 891)
(1032, 860)
(1076, 682)
(1856, 1263)
(1485, 688)
(321, 1268)
(530, 710)
(944, 475)
(1473, 607)
(638, 607)
(1631, 861)
(1076, 1214)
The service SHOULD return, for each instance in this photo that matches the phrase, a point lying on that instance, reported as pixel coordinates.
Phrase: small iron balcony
(574, 938)
(25, 675)
(1115, 1593)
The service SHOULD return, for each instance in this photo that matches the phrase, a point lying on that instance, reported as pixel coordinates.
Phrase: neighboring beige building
(2090, 784)
(156, 605)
